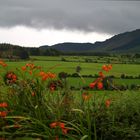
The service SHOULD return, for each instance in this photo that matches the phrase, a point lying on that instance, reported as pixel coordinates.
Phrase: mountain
(124, 42)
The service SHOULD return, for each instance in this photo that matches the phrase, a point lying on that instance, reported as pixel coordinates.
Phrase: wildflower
(52, 87)
(99, 85)
(61, 125)
(45, 76)
(2, 63)
(53, 125)
(30, 72)
(23, 68)
(101, 74)
(4, 104)
(3, 113)
(107, 67)
(92, 85)
(107, 103)
(42, 73)
(33, 94)
(65, 130)
(86, 96)
(10, 77)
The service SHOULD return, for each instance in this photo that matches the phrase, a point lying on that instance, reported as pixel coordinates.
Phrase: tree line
(18, 52)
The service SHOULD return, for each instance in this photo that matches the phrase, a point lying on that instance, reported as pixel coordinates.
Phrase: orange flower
(23, 68)
(45, 76)
(4, 104)
(61, 125)
(3, 113)
(92, 85)
(54, 124)
(2, 63)
(33, 94)
(41, 73)
(51, 75)
(107, 67)
(86, 96)
(30, 72)
(30, 65)
(65, 130)
(107, 103)
(101, 74)
(14, 77)
(99, 85)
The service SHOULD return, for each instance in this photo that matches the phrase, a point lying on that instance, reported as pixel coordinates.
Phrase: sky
(32, 23)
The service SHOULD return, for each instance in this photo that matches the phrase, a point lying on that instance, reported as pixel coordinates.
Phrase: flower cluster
(3, 113)
(55, 84)
(107, 67)
(99, 81)
(10, 77)
(2, 63)
(30, 67)
(3, 104)
(46, 75)
(107, 102)
(60, 125)
(86, 96)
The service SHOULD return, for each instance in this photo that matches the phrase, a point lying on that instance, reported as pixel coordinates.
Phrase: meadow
(58, 65)
(37, 104)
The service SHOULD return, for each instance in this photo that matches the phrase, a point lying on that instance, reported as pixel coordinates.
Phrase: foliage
(36, 104)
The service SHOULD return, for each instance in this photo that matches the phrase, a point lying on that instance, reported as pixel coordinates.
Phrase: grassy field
(79, 82)
(32, 107)
(87, 68)
(56, 65)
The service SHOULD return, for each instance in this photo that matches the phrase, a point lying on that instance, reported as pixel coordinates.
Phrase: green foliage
(37, 109)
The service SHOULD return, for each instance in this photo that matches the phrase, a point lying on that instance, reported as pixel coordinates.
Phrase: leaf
(77, 110)
(84, 137)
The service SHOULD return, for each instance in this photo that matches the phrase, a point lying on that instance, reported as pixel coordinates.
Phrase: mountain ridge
(123, 42)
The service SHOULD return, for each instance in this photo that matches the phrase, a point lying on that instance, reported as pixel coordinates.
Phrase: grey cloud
(85, 15)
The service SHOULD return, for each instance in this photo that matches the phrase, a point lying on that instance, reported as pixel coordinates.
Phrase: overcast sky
(40, 22)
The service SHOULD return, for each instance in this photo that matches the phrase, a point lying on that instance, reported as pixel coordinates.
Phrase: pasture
(36, 105)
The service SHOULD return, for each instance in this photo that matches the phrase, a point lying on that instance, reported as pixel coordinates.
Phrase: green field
(32, 107)
(56, 65)
(79, 82)
(87, 68)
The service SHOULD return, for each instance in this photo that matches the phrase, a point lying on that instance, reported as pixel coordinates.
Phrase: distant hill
(124, 42)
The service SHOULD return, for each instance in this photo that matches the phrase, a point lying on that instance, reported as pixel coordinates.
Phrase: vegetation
(35, 103)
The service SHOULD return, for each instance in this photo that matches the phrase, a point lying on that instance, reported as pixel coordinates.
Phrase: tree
(23, 54)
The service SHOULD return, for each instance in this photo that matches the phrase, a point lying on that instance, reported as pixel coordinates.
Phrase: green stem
(95, 133)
